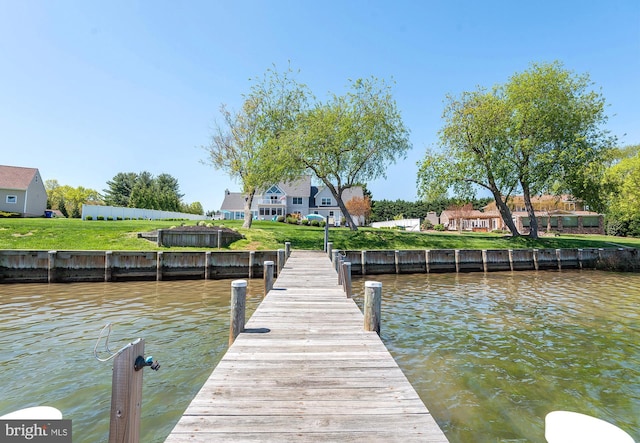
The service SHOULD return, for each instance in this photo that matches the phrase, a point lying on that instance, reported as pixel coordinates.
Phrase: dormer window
(326, 201)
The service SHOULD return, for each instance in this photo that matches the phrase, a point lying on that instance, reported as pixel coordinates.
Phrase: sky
(89, 89)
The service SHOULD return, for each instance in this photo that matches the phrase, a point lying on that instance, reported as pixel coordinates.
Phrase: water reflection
(48, 333)
(492, 354)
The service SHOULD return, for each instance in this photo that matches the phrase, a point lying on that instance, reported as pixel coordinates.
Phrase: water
(48, 334)
(490, 354)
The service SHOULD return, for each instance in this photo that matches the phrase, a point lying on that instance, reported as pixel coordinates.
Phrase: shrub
(100, 217)
(426, 225)
(118, 218)
(88, 217)
(280, 219)
(315, 223)
(304, 222)
(110, 218)
(439, 227)
(292, 220)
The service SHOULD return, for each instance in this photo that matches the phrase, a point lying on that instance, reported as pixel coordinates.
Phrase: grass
(75, 234)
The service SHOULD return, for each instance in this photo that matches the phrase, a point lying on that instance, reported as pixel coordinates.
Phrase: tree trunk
(533, 221)
(248, 216)
(505, 213)
(337, 194)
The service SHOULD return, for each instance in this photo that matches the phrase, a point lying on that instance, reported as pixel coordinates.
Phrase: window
(297, 200)
(13, 199)
(330, 213)
(325, 201)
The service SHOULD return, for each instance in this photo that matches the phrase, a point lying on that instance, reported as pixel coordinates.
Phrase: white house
(22, 191)
(297, 197)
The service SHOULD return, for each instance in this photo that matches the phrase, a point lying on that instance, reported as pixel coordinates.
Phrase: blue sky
(89, 89)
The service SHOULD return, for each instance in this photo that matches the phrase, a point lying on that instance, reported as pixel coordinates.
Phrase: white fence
(409, 224)
(114, 212)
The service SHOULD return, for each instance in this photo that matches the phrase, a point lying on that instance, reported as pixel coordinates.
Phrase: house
(22, 191)
(297, 197)
(561, 213)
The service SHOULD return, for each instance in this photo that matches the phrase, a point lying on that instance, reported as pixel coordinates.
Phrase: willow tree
(350, 139)
(541, 132)
(247, 144)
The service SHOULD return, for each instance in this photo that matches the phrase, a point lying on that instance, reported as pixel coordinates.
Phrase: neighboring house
(558, 213)
(297, 197)
(22, 191)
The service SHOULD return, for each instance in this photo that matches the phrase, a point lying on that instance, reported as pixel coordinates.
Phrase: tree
(120, 188)
(143, 190)
(622, 182)
(359, 207)
(247, 144)
(350, 139)
(541, 132)
(69, 200)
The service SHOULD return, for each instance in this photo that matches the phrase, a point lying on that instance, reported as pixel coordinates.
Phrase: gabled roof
(15, 177)
(232, 201)
(297, 188)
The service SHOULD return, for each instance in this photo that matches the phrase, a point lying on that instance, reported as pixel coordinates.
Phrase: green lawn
(74, 234)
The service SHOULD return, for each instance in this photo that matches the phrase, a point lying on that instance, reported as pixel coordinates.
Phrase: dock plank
(304, 370)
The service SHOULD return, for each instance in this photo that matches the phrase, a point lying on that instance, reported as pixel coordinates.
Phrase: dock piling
(268, 276)
(372, 305)
(238, 302)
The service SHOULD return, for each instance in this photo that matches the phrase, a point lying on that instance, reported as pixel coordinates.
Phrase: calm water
(48, 333)
(490, 354)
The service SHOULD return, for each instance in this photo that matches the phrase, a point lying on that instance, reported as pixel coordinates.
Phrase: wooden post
(219, 238)
(287, 249)
(207, 260)
(268, 276)
(340, 270)
(456, 254)
(363, 263)
(126, 395)
(427, 259)
(372, 305)
(252, 260)
(330, 249)
(396, 259)
(347, 278)
(485, 262)
(511, 259)
(326, 236)
(51, 277)
(281, 260)
(108, 257)
(535, 259)
(159, 266)
(159, 239)
(238, 300)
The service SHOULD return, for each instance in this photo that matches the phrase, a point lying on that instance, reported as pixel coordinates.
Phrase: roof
(232, 201)
(297, 188)
(15, 177)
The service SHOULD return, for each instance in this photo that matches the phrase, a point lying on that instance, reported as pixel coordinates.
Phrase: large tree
(143, 190)
(247, 144)
(69, 200)
(350, 139)
(622, 186)
(540, 132)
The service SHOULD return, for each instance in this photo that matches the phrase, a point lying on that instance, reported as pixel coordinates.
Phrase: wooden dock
(305, 370)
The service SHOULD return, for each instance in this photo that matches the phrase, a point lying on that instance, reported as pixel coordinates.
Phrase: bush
(88, 217)
(315, 223)
(100, 217)
(304, 221)
(118, 218)
(292, 220)
(439, 227)
(280, 219)
(110, 218)
(426, 225)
